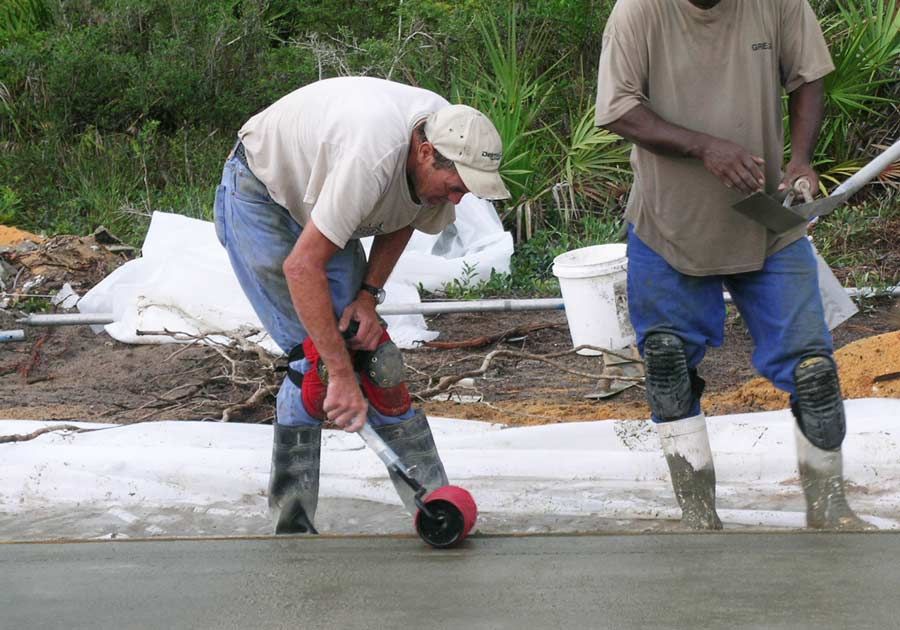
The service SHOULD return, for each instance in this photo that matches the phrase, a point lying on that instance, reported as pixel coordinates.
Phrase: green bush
(111, 109)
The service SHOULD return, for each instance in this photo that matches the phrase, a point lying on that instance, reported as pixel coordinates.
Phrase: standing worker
(324, 166)
(696, 85)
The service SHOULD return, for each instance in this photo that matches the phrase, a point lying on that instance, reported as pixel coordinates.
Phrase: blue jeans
(258, 235)
(780, 304)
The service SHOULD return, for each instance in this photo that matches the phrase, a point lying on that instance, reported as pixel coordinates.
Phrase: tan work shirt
(719, 71)
(335, 152)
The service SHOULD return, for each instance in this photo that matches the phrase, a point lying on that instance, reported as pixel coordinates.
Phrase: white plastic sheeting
(168, 478)
(183, 281)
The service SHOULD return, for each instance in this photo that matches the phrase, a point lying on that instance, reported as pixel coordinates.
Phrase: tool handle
(379, 447)
(387, 455)
(803, 186)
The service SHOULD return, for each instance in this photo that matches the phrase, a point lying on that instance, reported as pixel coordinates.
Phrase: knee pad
(382, 377)
(818, 405)
(672, 387)
(314, 383)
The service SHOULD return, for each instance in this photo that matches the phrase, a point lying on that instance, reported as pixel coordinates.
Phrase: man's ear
(426, 152)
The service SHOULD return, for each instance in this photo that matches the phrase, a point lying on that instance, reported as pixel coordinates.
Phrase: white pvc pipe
(870, 171)
(424, 308)
(473, 306)
(66, 319)
(12, 335)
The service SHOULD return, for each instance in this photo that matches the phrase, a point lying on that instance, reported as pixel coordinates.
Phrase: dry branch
(24, 437)
(242, 365)
(446, 381)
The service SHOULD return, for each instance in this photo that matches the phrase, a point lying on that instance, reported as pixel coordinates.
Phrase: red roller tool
(445, 516)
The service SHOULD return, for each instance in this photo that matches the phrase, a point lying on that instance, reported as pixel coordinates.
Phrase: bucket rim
(615, 259)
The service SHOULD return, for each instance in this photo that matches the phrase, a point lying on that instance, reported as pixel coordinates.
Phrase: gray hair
(440, 161)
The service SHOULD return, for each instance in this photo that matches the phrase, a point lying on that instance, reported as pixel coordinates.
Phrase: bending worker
(696, 85)
(324, 166)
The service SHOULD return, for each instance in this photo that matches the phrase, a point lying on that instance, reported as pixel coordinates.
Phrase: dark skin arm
(806, 109)
(733, 165)
(305, 272)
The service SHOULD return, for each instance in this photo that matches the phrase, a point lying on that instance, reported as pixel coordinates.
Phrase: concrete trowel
(778, 215)
(445, 515)
(776, 212)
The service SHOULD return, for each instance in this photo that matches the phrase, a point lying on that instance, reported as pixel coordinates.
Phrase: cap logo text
(491, 156)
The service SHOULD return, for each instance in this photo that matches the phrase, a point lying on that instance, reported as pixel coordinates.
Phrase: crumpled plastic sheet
(183, 281)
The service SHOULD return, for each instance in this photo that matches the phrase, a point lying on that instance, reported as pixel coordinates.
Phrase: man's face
(435, 186)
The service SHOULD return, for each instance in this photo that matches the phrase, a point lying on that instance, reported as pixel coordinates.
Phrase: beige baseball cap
(466, 136)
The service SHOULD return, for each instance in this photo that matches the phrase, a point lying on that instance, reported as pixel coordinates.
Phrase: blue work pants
(780, 305)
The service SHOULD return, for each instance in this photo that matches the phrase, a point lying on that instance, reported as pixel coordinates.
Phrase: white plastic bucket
(593, 285)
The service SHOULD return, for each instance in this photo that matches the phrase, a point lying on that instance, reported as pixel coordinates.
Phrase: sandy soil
(71, 373)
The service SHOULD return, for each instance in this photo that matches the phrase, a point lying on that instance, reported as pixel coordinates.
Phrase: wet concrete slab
(724, 580)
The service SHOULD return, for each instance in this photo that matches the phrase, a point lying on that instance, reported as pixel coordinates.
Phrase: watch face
(376, 292)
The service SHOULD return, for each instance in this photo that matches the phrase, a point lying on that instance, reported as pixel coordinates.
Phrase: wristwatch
(377, 292)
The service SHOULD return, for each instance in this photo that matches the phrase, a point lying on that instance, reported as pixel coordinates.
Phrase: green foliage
(10, 203)
(594, 162)
(21, 18)
(111, 109)
(864, 40)
(511, 91)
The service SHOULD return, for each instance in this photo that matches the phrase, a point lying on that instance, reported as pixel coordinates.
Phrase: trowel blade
(820, 207)
(767, 210)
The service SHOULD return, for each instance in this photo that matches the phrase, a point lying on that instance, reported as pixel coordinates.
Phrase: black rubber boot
(413, 443)
(685, 444)
(294, 480)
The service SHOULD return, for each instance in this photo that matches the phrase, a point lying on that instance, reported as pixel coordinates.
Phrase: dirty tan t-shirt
(719, 71)
(335, 152)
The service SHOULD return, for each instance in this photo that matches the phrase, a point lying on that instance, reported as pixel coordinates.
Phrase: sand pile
(869, 368)
(14, 236)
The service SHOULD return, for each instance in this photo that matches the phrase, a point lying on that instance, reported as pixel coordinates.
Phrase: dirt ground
(70, 373)
(530, 374)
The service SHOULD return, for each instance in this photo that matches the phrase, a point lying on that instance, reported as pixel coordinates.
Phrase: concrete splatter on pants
(780, 305)
(258, 235)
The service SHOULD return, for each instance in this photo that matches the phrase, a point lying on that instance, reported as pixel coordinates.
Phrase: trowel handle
(803, 187)
(385, 453)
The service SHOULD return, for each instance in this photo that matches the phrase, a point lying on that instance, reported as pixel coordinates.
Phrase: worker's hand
(798, 170)
(733, 165)
(362, 310)
(344, 403)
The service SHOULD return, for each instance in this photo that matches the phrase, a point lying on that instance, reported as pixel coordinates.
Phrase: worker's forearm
(643, 127)
(386, 251)
(311, 297)
(806, 108)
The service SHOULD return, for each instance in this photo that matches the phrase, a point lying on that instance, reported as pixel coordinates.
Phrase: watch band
(377, 292)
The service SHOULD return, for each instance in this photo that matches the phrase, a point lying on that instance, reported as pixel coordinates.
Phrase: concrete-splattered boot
(413, 443)
(822, 479)
(294, 480)
(685, 444)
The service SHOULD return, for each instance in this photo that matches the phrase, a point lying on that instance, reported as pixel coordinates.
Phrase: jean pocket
(219, 214)
(248, 188)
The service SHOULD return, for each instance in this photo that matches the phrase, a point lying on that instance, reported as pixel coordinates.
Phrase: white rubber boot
(822, 479)
(685, 444)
